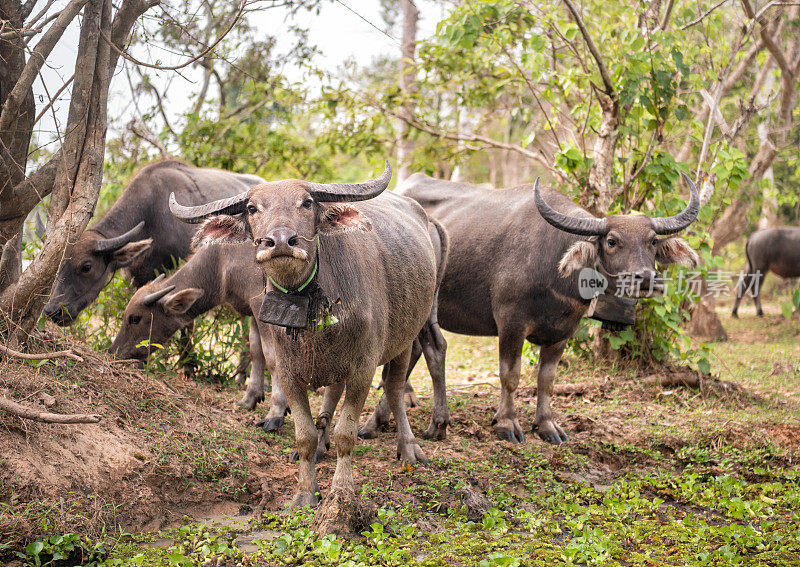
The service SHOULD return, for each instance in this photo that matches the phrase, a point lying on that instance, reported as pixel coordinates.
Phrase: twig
(187, 63)
(702, 16)
(609, 86)
(42, 356)
(28, 413)
(54, 99)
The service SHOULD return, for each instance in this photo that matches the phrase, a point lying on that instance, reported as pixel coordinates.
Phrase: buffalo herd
(342, 278)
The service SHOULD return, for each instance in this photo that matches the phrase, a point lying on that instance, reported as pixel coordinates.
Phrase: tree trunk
(73, 175)
(408, 78)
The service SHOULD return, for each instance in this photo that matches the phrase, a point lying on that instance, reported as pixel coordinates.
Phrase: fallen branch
(42, 356)
(28, 413)
(692, 380)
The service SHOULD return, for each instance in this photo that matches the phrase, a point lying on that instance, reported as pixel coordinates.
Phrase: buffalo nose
(647, 277)
(281, 239)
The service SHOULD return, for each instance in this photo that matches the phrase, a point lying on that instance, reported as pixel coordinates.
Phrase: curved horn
(584, 226)
(671, 225)
(340, 192)
(193, 215)
(158, 278)
(151, 298)
(114, 244)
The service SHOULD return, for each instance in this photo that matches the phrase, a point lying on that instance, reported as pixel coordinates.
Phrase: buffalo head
(154, 313)
(93, 261)
(283, 219)
(625, 244)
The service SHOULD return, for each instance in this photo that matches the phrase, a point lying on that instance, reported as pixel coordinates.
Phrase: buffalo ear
(342, 218)
(179, 302)
(675, 250)
(221, 229)
(132, 251)
(582, 254)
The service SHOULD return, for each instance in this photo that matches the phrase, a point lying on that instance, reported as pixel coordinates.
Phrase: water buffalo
(353, 284)
(770, 250)
(138, 234)
(214, 275)
(512, 272)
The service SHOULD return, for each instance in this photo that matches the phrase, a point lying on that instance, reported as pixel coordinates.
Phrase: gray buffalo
(512, 272)
(353, 284)
(774, 250)
(214, 275)
(138, 234)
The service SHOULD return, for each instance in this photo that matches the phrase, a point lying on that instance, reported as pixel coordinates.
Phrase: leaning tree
(73, 173)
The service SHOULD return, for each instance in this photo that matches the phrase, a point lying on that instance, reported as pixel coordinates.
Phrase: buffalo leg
(279, 405)
(382, 413)
(543, 424)
(756, 291)
(255, 386)
(434, 347)
(408, 450)
(305, 433)
(340, 511)
(240, 376)
(324, 418)
(506, 424)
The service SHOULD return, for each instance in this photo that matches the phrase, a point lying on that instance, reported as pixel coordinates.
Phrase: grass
(650, 476)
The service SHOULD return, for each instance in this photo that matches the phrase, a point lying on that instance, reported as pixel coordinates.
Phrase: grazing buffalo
(214, 275)
(353, 285)
(771, 250)
(512, 272)
(138, 234)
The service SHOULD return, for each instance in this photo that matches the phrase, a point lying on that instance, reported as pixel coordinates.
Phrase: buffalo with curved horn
(358, 282)
(137, 235)
(513, 272)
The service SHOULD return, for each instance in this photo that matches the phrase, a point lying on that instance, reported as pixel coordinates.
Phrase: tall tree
(408, 84)
(73, 174)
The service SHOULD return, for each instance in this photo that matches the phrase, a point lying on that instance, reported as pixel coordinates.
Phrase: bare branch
(469, 138)
(143, 132)
(19, 410)
(609, 87)
(769, 42)
(667, 15)
(704, 15)
(35, 62)
(41, 356)
(197, 57)
(52, 101)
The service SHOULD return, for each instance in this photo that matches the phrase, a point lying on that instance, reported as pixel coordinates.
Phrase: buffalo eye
(655, 241)
(307, 204)
(611, 242)
(252, 209)
(86, 267)
(134, 319)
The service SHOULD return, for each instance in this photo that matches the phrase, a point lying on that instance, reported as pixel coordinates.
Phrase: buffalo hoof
(411, 399)
(270, 423)
(509, 430)
(409, 453)
(303, 499)
(735, 315)
(320, 453)
(250, 401)
(551, 432)
(437, 430)
(760, 313)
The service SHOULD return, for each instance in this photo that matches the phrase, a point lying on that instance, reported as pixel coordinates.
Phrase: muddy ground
(642, 461)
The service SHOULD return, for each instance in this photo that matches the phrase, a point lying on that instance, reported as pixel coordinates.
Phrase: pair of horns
(114, 244)
(591, 226)
(321, 192)
(151, 298)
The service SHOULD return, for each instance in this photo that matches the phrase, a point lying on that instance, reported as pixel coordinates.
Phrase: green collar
(305, 284)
